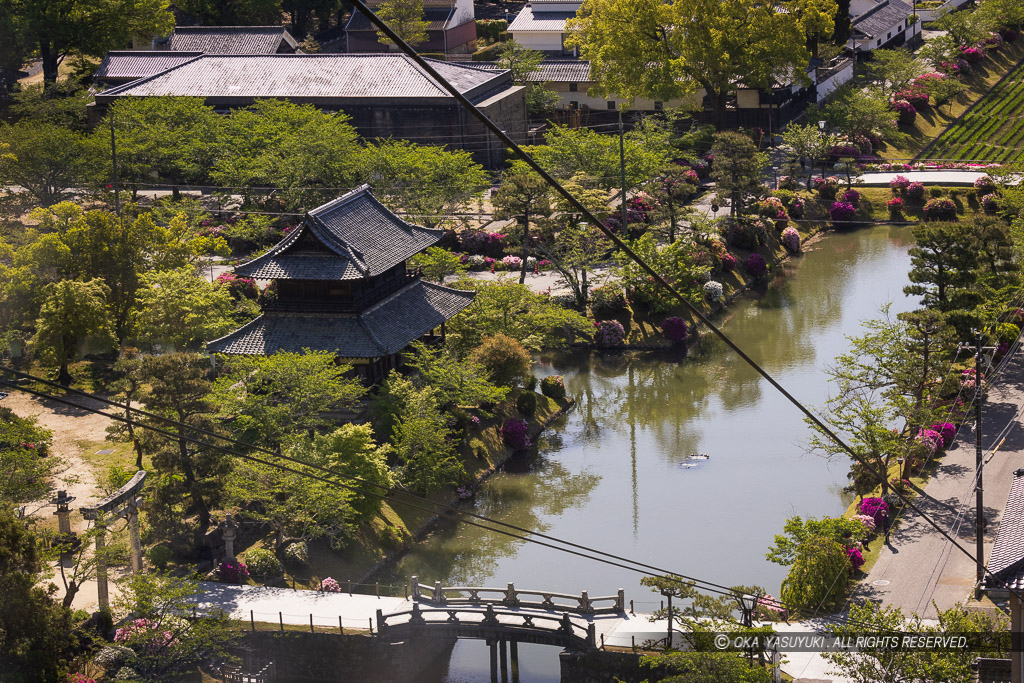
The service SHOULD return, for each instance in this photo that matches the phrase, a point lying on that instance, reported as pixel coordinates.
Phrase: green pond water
(613, 473)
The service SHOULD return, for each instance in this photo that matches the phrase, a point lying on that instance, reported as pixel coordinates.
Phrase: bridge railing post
(566, 626)
(438, 593)
(415, 587)
(620, 602)
(381, 624)
(592, 635)
(416, 617)
(510, 595)
(585, 606)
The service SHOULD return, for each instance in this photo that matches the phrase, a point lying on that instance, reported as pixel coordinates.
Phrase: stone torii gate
(122, 503)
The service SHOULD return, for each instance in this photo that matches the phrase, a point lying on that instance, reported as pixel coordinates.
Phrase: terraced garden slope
(992, 130)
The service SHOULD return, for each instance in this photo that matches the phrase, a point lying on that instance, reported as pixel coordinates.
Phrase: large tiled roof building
(342, 286)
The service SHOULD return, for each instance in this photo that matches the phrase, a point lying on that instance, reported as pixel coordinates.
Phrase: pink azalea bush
(984, 185)
(842, 211)
(989, 203)
(675, 329)
(930, 440)
(728, 262)
(876, 508)
(791, 240)
(906, 111)
(855, 557)
(972, 55)
(238, 287)
(609, 334)
(514, 434)
(512, 262)
(915, 191)
(867, 521)
(916, 96)
(755, 265)
(826, 187)
(899, 184)
(851, 196)
(939, 209)
(895, 206)
(329, 585)
(947, 431)
(145, 633)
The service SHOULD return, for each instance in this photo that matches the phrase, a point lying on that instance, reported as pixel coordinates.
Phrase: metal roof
(349, 238)
(233, 40)
(385, 328)
(535, 19)
(881, 18)
(438, 19)
(128, 65)
(309, 77)
(555, 70)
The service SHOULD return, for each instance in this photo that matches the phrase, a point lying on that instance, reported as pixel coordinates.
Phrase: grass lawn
(932, 122)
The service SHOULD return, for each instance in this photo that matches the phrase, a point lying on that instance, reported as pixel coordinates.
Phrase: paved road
(920, 567)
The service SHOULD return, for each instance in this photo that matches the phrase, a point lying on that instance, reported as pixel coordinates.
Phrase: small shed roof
(309, 77)
(120, 66)
(385, 328)
(349, 238)
(880, 19)
(233, 40)
(553, 70)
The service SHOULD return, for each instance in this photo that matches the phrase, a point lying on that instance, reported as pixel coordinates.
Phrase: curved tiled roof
(1007, 558)
(386, 327)
(349, 238)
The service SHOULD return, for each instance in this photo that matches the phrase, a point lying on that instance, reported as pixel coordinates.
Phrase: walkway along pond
(615, 473)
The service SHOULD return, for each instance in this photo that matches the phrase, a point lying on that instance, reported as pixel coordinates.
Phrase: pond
(615, 474)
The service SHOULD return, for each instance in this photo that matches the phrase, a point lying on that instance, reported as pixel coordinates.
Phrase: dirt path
(70, 426)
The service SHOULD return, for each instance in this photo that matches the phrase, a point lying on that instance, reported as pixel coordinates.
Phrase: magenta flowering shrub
(675, 329)
(915, 191)
(791, 240)
(840, 151)
(80, 678)
(728, 262)
(514, 434)
(989, 203)
(906, 111)
(916, 96)
(972, 55)
(895, 206)
(826, 187)
(690, 176)
(755, 265)
(876, 508)
(238, 287)
(842, 211)
(930, 440)
(233, 572)
(329, 585)
(796, 208)
(856, 558)
(483, 243)
(609, 334)
(947, 431)
(939, 209)
(924, 81)
(899, 184)
(993, 40)
(984, 185)
(144, 633)
(851, 196)
(771, 207)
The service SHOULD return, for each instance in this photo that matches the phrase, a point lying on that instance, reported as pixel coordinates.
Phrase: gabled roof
(880, 19)
(536, 19)
(385, 328)
(128, 65)
(309, 77)
(553, 70)
(232, 40)
(437, 18)
(349, 238)
(1007, 559)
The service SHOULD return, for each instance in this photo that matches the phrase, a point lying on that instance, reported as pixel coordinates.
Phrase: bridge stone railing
(510, 596)
(558, 629)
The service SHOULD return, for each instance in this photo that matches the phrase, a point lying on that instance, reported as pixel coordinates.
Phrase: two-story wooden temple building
(343, 286)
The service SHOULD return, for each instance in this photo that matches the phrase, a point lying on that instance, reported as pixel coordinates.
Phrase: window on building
(658, 106)
(889, 35)
(573, 86)
(879, 43)
(611, 105)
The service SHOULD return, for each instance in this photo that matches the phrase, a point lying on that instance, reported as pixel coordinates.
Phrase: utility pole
(979, 464)
(622, 171)
(113, 156)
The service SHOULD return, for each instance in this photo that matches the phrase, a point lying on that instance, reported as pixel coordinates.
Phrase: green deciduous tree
(672, 192)
(45, 159)
(523, 61)
(405, 18)
(895, 70)
(425, 453)
(809, 143)
(785, 547)
(59, 28)
(461, 382)
(899, 665)
(165, 641)
(818, 21)
(738, 170)
(272, 398)
(179, 308)
(648, 48)
(438, 263)
(945, 90)
(26, 474)
(676, 262)
(428, 182)
(505, 360)
(233, 12)
(853, 110)
(819, 576)
(523, 195)
(511, 308)
(71, 312)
